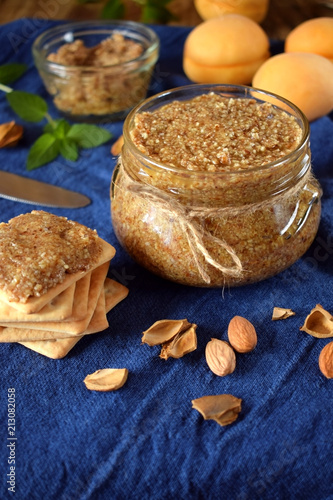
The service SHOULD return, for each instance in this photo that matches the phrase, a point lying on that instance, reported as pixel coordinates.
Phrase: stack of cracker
(54, 287)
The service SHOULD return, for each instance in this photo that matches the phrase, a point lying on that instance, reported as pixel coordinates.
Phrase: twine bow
(195, 233)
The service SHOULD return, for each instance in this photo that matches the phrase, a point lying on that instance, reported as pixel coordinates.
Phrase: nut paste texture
(38, 250)
(215, 190)
(95, 82)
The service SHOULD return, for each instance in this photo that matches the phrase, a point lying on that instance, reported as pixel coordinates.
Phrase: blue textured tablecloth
(145, 441)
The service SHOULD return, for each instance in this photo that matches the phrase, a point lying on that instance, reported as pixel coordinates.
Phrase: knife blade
(19, 188)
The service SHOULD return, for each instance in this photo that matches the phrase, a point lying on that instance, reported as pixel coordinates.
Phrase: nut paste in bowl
(96, 70)
(214, 186)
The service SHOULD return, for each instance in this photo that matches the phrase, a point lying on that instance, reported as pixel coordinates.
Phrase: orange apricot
(254, 9)
(314, 36)
(304, 79)
(227, 49)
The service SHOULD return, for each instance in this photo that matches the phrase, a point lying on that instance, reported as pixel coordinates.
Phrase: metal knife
(17, 188)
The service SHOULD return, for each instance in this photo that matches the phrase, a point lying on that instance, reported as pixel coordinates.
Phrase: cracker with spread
(53, 282)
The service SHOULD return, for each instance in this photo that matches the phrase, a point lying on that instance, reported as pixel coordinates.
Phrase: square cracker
(58, 309)
(35, 304)
(62, 329)
(58, 348)
(37, 321)
(53, 348)
(112, 294)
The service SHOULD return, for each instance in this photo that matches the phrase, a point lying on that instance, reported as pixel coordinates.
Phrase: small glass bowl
(96, 93)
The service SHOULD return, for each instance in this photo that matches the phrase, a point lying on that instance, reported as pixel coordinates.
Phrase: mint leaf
(29, 107)
(88, 136)
(152, 12)
(44, 150)
(59, 128)
(113, 9)
(62, 129)
(69, 149)
(157, 3)
(11, 72)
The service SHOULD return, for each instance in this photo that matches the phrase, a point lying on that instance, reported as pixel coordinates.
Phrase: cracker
(114, 293)
(55, 349)
(111, 295)
(99, 321)
(63, 329)
(81, 297)
(79, 309)
(59, 348)
(35, 304)
(58, 309)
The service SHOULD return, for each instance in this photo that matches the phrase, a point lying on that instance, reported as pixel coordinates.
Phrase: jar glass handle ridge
(301, 214)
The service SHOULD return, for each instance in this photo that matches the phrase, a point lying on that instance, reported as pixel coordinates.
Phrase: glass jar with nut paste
(214, 185)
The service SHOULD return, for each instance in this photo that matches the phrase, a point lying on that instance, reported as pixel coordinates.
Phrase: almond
(242, 334)
(220, 357)
(326, 360)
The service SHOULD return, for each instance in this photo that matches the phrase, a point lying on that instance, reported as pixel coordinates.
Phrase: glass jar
(208, 228)
(104, 91)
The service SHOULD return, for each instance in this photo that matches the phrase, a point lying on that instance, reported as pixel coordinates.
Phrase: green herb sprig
(59, 136)
(151, 11)
(11, 72)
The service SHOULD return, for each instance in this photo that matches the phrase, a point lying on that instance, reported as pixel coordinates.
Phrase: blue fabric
(145, 441)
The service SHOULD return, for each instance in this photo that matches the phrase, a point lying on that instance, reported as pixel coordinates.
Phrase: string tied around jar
(190, 218)
(185, 216)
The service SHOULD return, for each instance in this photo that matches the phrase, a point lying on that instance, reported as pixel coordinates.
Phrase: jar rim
(248, 92)
(98, 27)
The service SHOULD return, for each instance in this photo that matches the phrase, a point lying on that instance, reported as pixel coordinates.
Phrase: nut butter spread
(38, 249)
(96, 82)
(215, 133)
(113, 50)
(218, 190)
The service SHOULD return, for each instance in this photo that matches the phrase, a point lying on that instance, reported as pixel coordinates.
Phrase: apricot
(304, 79)
(254, 9)
(226, 49)
(314, 36)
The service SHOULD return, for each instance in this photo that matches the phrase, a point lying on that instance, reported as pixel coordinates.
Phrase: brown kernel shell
(107, 379)
(10, 133)
(183, 343)
(223, 408)
(164, 330)
(319, 323)
(117, 146)
(282, 313)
